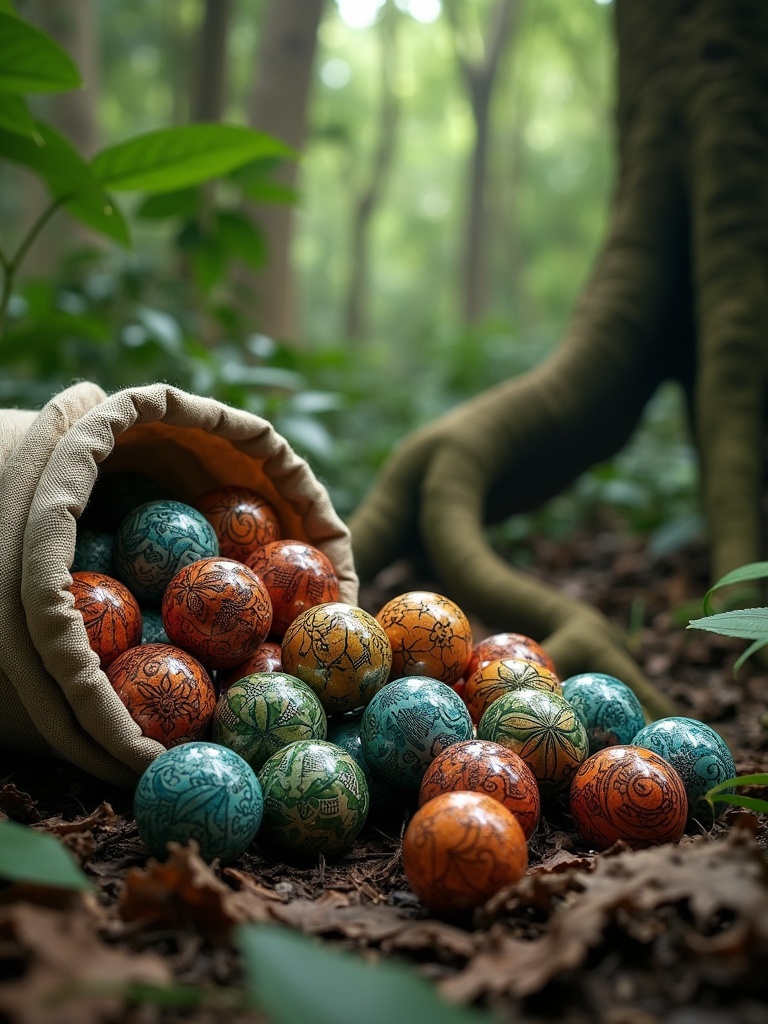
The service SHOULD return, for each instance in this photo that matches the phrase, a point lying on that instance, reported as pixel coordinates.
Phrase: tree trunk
(209, 85)
(278, 105)
(480, 78)
(680, 292)
(369, 196)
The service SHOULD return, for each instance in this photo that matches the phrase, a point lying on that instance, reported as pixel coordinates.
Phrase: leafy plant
(745, 623)
(721, 794)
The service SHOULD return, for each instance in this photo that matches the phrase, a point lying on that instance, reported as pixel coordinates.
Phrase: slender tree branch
(10, 266)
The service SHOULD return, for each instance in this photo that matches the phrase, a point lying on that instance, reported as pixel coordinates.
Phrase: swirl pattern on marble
(243, 519)
(609, 709)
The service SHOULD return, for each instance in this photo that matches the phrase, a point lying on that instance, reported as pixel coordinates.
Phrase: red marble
(480, 766)
(167, 692)
(460, 848)
(297, 575)
(266, 658)
(110, 612)
(631, 794)
(508, 645)
(217, 609)
(243, 519)
(430, 635)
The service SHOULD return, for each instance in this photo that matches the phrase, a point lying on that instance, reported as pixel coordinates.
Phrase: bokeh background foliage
(391, 316)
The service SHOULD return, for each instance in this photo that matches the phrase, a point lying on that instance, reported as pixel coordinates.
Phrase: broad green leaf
(295, 979)
(45, 332)
(270, 192)
(14, 115)
(69, 178)
(239, 237)
(745, 573)
(745, 623)
(184, 202)
(30, 61)
(175, 158)
(758, 779)
(746, 655)
(38, 858)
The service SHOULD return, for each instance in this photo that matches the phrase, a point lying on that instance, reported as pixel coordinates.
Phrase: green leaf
(745, 573)
(45, 332)
(295, 979)
(36, 857)
(758, 779)
(746, 655)
(745, 623)
(752, 803)
(15, 117)
(30, 61)
(239, 237)
(183, 202)
(69, 178)
(175, 158)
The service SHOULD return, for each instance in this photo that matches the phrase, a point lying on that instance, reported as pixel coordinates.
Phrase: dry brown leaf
(707, 876)
(18, 805)
(103, 815)
(70, 974)
(179, 892)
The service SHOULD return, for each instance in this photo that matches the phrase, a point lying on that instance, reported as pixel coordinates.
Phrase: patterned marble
(110, 612)
(610, 710)
(430, 635)
(199, 791)
(698, 753)
(157, 539)
(297, 575)
(407, 724)
(94, 551)
(491, 680)
(508, 645)
(243, 519)
(315, 799)
(344, 731)
(628, 793)
(265, 711)
(152, 628)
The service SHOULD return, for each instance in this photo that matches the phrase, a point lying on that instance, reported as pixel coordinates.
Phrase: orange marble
(430, 636)
(218, 610)
(459, 849)
(243, 519)
(489, 682)
(628, 793)
(297, 575)
(508, 645)
(110, 612)
(167, 692)
(480, 766)
(266, 658)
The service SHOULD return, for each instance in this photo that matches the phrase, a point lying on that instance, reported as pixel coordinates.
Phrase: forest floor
(677, 934)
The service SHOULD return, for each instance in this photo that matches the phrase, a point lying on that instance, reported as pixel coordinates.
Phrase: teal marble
(152, 628)
(699, 754)
(408, 723)
(199, 791)
(611, 712)
(157, 539)
(316, 799)
(93, 552)
(345, 733)
(265, 711)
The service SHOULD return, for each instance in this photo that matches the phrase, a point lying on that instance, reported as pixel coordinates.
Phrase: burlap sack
(54, 698)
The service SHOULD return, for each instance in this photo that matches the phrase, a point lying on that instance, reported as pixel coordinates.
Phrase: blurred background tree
(456, 163)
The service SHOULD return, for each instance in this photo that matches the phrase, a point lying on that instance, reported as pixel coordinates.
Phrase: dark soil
(623, 938)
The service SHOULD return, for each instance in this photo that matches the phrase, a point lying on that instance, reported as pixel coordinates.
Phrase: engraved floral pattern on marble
(344, 731)
(110, 612)
(508, 645)
(480, 766)
(339, 650)
(243, 519)
(218, 609)
(199, 791)
(157, 539)
(609, 709)
(430, 635)
(697, 752)
(543, 729)
(460, 849)
(167, 692)
(315, 798)
(628, 793)
(408, 723)
(489, 682)
(263, 712)
(298, 576)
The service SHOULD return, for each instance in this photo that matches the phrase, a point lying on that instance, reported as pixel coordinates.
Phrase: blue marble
(199, 791)
(699, 755)
(152, 627)
(408, 723)
(93, 552)
(611, 712)
(157, 539)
